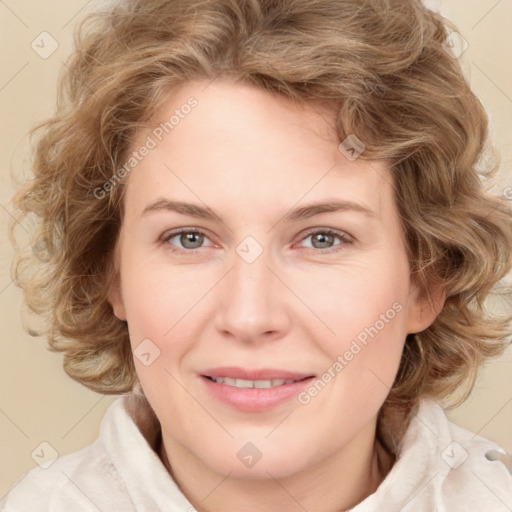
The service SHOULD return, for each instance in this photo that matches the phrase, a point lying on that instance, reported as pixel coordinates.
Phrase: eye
(325, 238)
(190, 239)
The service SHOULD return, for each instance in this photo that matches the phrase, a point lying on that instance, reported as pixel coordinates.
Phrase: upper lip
(255, 374)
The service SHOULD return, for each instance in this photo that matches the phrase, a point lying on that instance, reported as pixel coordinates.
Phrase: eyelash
(345, 238)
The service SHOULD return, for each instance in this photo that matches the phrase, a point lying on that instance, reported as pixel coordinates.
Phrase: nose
(253, 302)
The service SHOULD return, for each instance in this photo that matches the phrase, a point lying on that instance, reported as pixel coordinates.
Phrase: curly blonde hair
(383, 67)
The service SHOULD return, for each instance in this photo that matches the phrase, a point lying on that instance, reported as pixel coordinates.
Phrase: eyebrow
(304, 212)
(312, 209)
(192, 210)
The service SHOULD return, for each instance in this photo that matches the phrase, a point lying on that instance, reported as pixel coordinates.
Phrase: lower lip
(255, 399)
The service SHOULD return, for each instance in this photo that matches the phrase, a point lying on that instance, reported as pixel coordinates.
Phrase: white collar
(440, 466)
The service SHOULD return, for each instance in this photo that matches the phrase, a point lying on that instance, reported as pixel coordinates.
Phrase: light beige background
(38, 402)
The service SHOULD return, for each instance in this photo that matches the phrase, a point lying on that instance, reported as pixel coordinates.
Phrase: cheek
(157, 296)
(155, 314)
(164, 310)
(361, 305)
(367, 312)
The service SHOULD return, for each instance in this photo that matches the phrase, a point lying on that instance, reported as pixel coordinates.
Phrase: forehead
(222, 140)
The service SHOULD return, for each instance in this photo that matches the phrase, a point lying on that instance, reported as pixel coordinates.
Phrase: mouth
(254, 390)
(247, 383)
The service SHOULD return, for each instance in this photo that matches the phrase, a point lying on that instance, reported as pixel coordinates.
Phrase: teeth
(244, 383)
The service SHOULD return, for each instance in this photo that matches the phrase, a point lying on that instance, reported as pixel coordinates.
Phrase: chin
(264, 469)
(260, 459)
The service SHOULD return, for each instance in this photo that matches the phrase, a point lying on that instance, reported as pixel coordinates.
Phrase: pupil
(189, 237)
(323, 238)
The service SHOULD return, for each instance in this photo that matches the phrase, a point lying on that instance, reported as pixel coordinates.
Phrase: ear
(426, 303)
(115, 297)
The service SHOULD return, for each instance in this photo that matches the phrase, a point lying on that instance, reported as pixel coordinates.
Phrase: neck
(336, 484)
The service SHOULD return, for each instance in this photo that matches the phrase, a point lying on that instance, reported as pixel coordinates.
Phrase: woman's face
(290, 281)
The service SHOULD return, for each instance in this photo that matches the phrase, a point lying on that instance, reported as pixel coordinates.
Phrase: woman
(262, 222)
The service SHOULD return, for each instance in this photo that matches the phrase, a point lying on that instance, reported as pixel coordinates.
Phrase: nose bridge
(251, 305)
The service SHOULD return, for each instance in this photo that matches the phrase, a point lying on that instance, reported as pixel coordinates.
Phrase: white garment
(121, 472)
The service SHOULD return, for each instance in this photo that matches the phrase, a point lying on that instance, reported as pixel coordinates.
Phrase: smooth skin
(252, 158)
